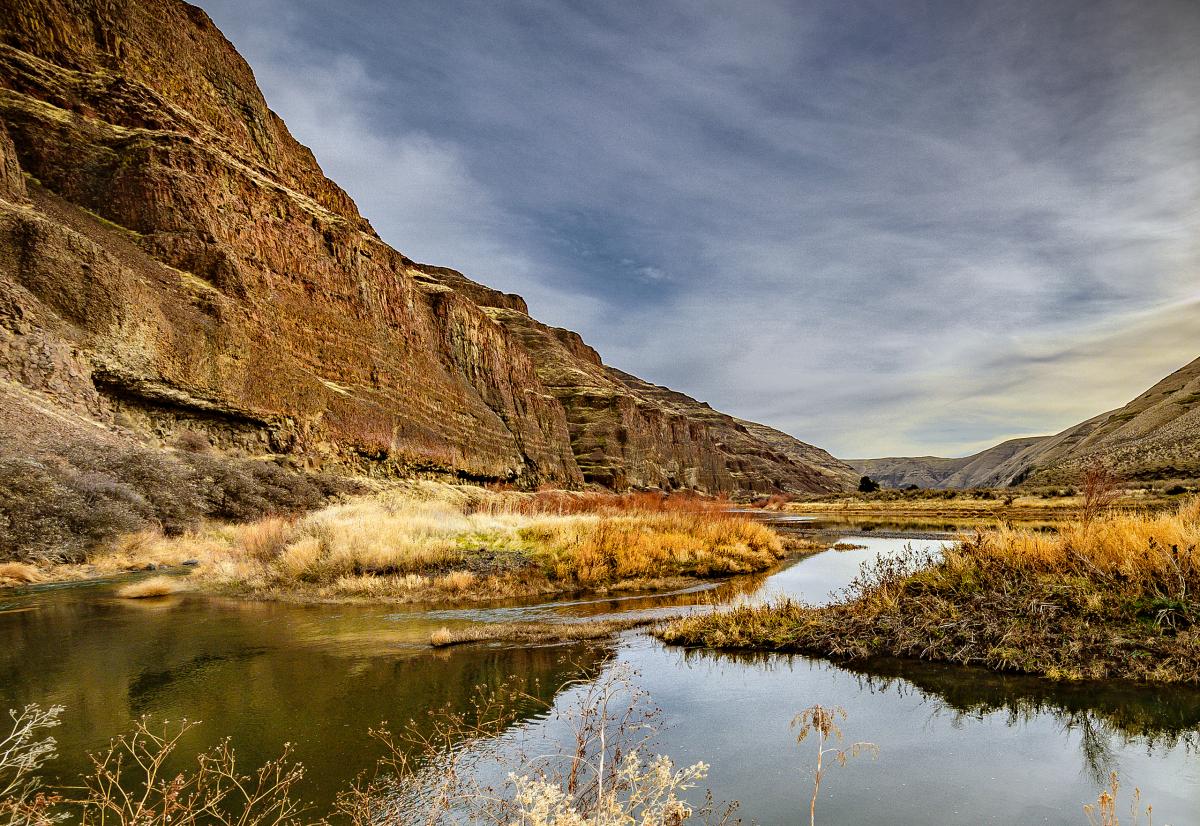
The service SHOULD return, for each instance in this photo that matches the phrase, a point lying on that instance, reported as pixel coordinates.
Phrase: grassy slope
(1113, 599)
(1155, 436)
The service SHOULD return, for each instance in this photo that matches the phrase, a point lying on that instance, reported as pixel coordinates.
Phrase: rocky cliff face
(171, 260)
(629, 432)
(1155, 436)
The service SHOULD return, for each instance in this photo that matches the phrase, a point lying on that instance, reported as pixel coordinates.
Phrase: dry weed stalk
(821, 722)
(1100, 490)
(1104, 811)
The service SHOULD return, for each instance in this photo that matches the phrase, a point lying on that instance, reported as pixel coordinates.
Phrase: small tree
(867, 485)
(821, 722)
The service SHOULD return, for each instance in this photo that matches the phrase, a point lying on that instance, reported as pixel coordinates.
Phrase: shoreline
(1111, 598)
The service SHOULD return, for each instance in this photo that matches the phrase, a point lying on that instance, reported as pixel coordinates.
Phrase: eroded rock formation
(172, 259)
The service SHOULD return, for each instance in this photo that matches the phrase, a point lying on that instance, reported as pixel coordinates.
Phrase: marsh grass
(18, 573)
(1116, 596)
(428, 541)
(537, 632)
(156, 586)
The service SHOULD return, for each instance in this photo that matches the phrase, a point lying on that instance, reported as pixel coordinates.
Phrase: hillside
(1155, 436)
(174, 265)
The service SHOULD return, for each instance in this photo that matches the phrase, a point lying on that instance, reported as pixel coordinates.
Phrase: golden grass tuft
(266, 539)
(19, 573)
(157, 586)
(1137, 551)
(441, 637)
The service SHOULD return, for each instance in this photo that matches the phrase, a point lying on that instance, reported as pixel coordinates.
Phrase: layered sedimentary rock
(1155, 436)
(628, 432)
(172, 259)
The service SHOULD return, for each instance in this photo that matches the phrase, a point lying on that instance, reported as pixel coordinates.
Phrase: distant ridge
(1155, 436)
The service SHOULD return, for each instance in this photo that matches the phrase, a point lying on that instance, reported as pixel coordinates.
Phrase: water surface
(958, 746)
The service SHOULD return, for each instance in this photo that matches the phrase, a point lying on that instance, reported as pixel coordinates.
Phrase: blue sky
(889, 228)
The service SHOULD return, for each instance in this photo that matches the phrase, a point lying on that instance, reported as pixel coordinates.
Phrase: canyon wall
(173, 261)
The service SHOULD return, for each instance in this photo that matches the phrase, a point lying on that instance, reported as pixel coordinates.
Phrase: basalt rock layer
(173, 261)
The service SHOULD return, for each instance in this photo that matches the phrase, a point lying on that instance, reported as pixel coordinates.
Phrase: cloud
(888, 229)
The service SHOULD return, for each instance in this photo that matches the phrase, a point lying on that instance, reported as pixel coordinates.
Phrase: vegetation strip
(430, 542)
(539, 632)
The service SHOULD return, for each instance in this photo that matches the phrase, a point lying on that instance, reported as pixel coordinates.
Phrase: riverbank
(1111, 598)
(975, 506)
(431, 542)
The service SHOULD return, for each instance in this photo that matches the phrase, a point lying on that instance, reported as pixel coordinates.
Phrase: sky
(887, 228)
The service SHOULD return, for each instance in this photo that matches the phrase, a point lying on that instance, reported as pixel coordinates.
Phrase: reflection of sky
(957, 746)
(885, 228)
(935, 766)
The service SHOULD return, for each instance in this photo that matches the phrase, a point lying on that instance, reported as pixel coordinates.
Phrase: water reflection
(262, 673)
(1106, 718)
(959, 745)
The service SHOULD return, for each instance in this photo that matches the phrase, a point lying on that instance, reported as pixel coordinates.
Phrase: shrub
(55, 514)
(867, 485)
(57, 509)
(192, 441)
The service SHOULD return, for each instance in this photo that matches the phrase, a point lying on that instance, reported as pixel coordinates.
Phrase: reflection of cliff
(254, 672)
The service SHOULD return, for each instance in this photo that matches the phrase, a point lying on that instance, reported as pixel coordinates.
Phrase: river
(956, 745)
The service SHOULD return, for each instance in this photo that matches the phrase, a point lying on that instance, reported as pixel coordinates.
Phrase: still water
(957, 746)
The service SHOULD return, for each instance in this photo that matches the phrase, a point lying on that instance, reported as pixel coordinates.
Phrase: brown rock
(171, 260)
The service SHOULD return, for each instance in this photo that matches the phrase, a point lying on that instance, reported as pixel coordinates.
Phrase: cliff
(173, 261)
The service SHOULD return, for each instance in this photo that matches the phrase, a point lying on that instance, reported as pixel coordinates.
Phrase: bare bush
(22, 754)
(435, 772)
(1100, 490)
(130, 785)
(59, 508)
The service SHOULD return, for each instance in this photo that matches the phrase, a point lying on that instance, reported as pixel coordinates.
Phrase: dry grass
(18, 573)
(1117, 597)
(156, 586)
(1137, 552)
(537, 632)
(426, 541)
(1006, 504)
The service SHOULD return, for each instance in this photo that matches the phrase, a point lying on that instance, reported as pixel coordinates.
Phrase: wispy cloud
(886, 228)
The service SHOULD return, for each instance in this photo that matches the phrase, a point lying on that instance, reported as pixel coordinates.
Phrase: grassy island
(1113, 596)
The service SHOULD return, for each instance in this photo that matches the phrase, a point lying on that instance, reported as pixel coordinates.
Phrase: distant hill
(1155, 436)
